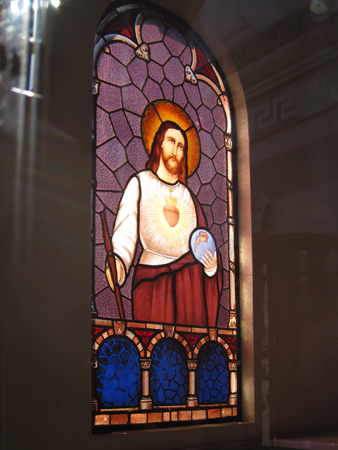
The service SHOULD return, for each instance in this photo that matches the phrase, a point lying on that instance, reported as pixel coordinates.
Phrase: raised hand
(209, 261)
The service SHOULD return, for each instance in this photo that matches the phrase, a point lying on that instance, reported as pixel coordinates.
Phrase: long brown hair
(156, 151)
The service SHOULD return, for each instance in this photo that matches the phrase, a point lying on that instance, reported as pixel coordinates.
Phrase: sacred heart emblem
(172, 215)
(170, 210)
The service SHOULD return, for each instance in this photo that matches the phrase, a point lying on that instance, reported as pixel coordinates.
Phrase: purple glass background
(127, 84)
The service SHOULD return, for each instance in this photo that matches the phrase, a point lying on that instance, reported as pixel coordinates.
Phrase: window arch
(212, 375)
(118, 375)
(169, 373)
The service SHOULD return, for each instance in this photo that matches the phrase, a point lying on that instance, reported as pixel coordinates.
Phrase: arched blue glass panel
(118, 374)
(169, 373)
(212, 377)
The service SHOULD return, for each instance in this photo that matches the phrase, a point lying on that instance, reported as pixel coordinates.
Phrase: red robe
(180, 292)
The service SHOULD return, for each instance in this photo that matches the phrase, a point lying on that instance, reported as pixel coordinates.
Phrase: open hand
(209, 260)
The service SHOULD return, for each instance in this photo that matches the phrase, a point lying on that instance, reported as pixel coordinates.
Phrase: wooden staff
(111, 262)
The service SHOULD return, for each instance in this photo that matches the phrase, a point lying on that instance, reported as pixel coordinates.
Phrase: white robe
(141, 214)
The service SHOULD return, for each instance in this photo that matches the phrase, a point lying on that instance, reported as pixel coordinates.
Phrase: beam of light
(55, 3)
(15, 6)
(25, 92)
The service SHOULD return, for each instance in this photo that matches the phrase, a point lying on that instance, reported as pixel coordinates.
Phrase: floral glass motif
(164, 305)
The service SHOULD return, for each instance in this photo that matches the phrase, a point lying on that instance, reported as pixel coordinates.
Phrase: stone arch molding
(146, 351)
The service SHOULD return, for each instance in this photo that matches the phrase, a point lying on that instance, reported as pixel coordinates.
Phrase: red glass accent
(96, 330)
(144, 335)
(192, 339)
(203, 67)
(232, 342)
(124, 25)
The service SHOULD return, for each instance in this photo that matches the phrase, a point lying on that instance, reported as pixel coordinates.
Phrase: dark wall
(293, 136)
(286, 57)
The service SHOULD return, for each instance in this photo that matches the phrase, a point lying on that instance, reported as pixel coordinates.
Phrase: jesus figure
(158, 210)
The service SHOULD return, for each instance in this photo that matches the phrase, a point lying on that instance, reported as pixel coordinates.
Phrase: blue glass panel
(169, 373)
(118, 374)
(212, 377)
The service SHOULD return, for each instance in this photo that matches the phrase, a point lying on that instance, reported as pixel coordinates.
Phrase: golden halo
(161, 111)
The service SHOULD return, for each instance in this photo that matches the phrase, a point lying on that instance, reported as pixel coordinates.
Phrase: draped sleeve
(125, 234)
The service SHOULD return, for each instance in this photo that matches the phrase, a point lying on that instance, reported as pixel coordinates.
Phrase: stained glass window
(212, 374)
(118, 375)
(169, 374)
(164, 301)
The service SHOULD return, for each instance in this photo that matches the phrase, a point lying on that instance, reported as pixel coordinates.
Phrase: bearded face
(172, 165)
(169, 148)
(172, 150)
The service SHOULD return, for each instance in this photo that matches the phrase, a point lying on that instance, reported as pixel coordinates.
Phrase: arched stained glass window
(212, 377)
(118, 375)
(169, 373)
(163, 214)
